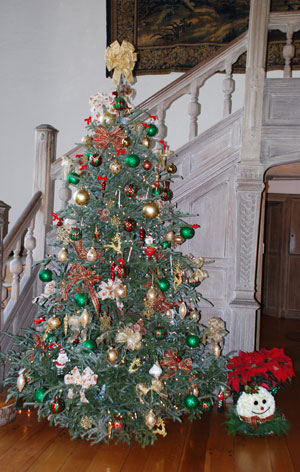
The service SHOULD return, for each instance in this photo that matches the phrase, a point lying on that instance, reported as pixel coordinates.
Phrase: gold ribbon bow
(215, 331)
(78, 273)
(131, 337)
(170, 361)
(156, 386)
(122, 59)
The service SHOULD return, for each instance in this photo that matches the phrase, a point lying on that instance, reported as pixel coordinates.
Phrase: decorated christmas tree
(118, 347)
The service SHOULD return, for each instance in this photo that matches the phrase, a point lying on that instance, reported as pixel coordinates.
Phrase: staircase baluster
(15, 267)
(288, 52)
(30, 244)
(228, 89)
(161, 124)
(65, 193)
(194, 109)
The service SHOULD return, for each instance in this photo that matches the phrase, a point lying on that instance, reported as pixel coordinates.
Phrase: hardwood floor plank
(219, 448)
(54, 456)
(250, 455)
(279, 454)
(107, 457)
(23, 453)
(193, 457)
(137, 458)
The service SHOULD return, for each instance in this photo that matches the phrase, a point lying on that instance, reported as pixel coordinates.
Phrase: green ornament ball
(152, 130)
(166, 244)
(39, 394)
(90, 344)
(156, 191)
(163, 284)
(187, 232)
(190, 401)
(73, 178)
(45, 275)
(132, 160)
(75, 234)
(49, 338)
(81, 299)
(192, 340)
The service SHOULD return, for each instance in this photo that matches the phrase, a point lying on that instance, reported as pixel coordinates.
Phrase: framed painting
(175, 35)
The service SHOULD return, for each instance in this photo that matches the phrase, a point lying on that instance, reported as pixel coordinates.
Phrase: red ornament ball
(120, 271)
(167, 194)
(129, 224)
(147, 165)
(160, 332)
(57, 405)
(150, 250)
(130, 190)
(95, 160)
(117, 424)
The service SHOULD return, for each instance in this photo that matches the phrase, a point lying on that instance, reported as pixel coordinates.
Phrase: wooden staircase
(223, 170)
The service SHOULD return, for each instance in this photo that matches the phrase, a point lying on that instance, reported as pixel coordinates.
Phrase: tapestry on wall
(175, 35)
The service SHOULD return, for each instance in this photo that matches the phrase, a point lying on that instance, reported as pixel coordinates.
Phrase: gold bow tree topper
(122, 59)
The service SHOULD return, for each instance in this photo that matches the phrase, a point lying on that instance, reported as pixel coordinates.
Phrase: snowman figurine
(257, 407)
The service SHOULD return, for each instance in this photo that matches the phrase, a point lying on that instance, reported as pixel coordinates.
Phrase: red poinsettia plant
(268, 368)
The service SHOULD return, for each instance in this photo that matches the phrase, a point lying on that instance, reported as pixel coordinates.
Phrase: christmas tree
(117, 347)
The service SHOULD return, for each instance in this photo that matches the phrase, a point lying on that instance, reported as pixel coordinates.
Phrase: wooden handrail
(201, 72)
(281, 20)
(21, 224)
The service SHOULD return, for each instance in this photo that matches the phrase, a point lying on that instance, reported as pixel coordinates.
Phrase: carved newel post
(45, 154)
(249, 182)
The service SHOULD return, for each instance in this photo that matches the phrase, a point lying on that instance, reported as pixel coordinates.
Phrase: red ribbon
(169, 360)
(145, 125)
(83, 167)
(254, 420)
(104, 137)
(163, 143)
(40, 320)
(195, 226)
(120, 151)
(102, 178)
(78, 155)
(88, 120)
(78, 273)
(152, 117)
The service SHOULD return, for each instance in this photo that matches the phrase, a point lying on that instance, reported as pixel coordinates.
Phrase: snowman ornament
(257, 407)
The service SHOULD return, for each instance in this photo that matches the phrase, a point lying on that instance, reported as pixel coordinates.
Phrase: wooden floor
(26, 445)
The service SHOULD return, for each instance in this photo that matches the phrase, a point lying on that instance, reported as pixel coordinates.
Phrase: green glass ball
(73, 178)
(45, 275)
(81, 299)
(39, 394)
(187, 232)
(90, 344)
(192, 340)
(166, 244)
(190, 401)
(132, 160)
(152, 130)
(156, 191)
(49, 338)
(163, 284)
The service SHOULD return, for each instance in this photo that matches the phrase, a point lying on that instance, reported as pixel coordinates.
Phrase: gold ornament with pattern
(115, 220)
(105, 322)
(86, 423)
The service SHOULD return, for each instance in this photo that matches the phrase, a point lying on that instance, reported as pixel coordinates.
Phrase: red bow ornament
(103, 137)
(169, 361)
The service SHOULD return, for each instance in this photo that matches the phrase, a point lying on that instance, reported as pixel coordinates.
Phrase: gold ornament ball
(92, 255)
(126, 141)
(150, 419)
(170, 236)
(120, 291)
(150, 210)
(182, 310)
(195, 391)
(85, 318)
(62, 256)
(115, 167)
(146, 142)
(107, 119)
(112, 355)
(151, 295)
(171, 168)
(86, 140)
(194, 315)
(81, 197)
(179, 239)
(54, 322)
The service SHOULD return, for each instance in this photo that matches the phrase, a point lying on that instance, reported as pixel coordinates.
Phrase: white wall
(51, 62)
